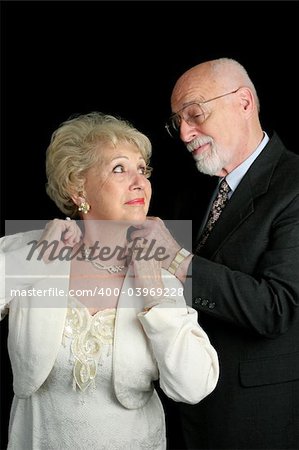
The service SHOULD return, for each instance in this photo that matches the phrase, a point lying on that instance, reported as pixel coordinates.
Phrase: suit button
(204, 302)
(197, 300)
(212, 305)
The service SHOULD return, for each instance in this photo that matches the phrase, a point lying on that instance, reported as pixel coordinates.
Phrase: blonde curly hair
(74, 148)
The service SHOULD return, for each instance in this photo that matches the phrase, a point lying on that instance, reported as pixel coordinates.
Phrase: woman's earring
(84, 207)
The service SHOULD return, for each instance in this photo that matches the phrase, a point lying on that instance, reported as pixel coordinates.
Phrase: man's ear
(247, 99)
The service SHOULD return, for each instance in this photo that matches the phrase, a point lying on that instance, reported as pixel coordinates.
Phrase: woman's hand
(57, 235)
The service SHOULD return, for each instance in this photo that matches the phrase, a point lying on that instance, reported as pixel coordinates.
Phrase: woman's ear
(78, 198)
(81, 202)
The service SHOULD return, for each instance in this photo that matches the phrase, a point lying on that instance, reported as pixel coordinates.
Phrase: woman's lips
(136, 201)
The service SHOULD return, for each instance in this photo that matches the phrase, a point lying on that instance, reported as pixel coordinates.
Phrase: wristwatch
(181, 255)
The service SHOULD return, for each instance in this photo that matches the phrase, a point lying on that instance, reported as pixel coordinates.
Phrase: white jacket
(165, 343)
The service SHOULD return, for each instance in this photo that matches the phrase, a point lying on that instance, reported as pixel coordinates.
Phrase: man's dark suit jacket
(246, 289)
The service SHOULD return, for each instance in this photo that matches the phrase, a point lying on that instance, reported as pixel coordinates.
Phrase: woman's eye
(118, 169)
(143, 170)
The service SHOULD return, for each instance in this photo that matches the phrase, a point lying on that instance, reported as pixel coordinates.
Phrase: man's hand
(153, 234)
(148, 282)
(159, 243)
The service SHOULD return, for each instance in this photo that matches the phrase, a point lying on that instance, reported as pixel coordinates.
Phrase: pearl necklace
(99, 266)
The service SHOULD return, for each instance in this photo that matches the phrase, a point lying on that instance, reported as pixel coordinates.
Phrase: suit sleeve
(266, 298)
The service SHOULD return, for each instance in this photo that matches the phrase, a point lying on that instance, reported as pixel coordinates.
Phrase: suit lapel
(241, 205)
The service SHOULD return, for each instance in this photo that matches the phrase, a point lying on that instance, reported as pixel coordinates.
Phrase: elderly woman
(84, 366)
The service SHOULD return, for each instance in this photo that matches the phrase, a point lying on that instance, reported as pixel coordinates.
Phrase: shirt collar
(234, 177)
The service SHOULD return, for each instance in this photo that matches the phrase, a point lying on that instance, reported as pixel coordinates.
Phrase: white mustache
(199, 142)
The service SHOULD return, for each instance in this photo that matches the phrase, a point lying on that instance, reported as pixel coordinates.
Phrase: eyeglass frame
(167, 126)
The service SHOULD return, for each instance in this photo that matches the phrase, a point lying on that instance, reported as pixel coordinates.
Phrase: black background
(60, 58)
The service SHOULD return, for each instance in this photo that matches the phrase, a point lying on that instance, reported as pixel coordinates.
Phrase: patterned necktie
(216, 209)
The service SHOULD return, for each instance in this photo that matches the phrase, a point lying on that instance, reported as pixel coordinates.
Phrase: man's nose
(187, 132)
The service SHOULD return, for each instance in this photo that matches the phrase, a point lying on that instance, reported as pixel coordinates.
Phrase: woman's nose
(137, 180)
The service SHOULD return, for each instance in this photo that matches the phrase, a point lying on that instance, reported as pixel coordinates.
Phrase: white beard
(208, 162)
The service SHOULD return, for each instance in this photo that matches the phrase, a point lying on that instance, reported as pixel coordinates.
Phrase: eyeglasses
(192, 113)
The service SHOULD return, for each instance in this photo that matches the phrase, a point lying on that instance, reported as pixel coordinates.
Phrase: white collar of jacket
(35, 336)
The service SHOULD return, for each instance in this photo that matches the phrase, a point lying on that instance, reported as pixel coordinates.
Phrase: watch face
(184, 252)
(179, 258)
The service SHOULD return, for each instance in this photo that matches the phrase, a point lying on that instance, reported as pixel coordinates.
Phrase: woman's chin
(137, 218)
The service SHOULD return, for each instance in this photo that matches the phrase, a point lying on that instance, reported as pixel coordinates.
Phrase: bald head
(216, 114)
(218, 75)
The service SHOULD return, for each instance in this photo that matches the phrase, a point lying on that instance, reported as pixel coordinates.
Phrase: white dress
(76, 407)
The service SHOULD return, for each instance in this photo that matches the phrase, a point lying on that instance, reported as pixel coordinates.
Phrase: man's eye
(177, 121)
